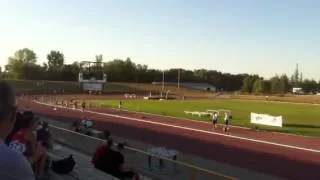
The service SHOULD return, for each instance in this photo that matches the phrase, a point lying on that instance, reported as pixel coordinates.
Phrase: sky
(264, 37)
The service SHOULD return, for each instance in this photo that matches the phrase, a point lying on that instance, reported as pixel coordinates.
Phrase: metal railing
(138, 158)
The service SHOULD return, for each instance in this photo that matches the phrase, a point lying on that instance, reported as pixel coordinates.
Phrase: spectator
(85, 126)
(15, 128)
(44, 136)
(99, 152)
(24, 142)
(86, 123)
(112, 162)
(106, 135)
(13, 166)
(76, 126)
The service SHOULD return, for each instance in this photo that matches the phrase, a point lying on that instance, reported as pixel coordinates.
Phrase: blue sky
(254, 36)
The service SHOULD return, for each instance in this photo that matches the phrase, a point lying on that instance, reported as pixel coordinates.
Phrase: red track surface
(270, 159)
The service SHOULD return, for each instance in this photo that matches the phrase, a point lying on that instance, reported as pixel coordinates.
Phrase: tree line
(23, 65)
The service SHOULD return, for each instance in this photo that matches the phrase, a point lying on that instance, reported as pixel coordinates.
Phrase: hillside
(34, 87)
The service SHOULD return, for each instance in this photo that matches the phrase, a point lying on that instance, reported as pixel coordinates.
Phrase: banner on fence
(92, 86)
(265, 119)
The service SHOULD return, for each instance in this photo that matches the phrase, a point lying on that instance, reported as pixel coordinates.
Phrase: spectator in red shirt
(99, 152)
(112, 162)
(24, 142)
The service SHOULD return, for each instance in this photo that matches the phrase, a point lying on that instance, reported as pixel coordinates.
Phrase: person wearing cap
(24, 142)
(13, 166)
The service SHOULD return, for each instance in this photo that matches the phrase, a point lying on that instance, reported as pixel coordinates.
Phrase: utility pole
(178, 79)
(163, 80)
(162, 83)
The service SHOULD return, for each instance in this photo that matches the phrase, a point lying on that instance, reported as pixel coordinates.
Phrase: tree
(296, 78)
(21, 58)
(275, 85)
(99, 59)
(284, 83)
(33, 72)
(246, 85)
(23, 65)
(55, 61)
(248, 82)
(309, 86)
(267, 86)
(258, 86)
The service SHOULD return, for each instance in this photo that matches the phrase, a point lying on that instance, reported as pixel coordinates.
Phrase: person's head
(109, 142)
(8, 108)
(106, 134)
(121, 146)
(30, 121)
(16, 128)
(45, 125)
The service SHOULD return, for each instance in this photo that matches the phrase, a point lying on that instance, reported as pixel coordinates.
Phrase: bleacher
(83, 169)
(82, 147)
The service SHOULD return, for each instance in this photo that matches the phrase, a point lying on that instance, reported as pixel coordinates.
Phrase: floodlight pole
(162, 80)
(178, 79)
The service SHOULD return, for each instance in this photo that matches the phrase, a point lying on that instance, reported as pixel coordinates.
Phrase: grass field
(300, 119)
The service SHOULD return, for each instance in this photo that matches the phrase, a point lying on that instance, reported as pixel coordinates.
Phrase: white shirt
(13, 165)
(226, 117)
(215, 117)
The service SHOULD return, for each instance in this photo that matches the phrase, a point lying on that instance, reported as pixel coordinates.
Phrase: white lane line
(181, 119)
(192, 129)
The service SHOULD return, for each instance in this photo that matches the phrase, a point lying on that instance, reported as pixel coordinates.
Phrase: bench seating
(83, 168)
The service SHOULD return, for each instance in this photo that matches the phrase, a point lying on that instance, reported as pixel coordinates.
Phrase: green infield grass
(300, 119)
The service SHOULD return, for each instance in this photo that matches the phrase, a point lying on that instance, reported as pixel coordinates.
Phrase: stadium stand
(83, 168)
(86, 145)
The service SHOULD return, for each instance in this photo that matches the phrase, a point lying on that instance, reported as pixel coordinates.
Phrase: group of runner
(72, 104)
(227, 119)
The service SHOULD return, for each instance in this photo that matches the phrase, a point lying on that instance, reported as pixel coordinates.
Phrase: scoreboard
(94, 77)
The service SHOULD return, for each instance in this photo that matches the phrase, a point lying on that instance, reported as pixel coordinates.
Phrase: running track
(196, 138)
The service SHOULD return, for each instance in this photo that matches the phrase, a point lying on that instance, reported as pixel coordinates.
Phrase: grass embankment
(300, 119)
(173, 89)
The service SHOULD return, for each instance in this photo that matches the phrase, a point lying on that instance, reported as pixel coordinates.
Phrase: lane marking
(204, 122)
(191, 129)
(181, 119)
